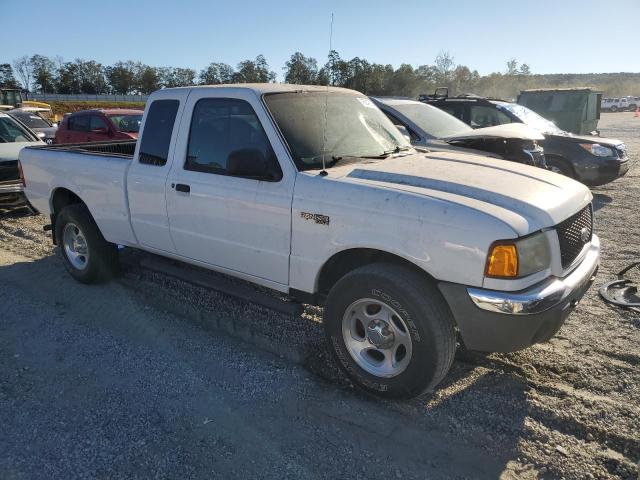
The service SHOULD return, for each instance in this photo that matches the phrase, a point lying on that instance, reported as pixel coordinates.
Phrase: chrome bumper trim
(543, 296)
(11, 188)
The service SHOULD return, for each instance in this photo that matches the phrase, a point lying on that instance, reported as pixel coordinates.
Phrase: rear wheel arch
(61, 198)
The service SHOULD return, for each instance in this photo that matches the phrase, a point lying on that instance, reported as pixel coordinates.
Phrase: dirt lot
(109, 382)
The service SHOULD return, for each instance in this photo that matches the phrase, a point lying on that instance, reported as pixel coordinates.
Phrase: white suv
(616, 104)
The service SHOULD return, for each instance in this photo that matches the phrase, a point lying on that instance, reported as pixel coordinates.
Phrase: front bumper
(603, 171)
(496, 321)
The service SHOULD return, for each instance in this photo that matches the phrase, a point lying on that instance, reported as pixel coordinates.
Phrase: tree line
(42, 74)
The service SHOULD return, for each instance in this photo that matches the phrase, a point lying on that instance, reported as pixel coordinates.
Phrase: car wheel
(390, 330)
(557, 165)
(614, 108)
(88, 257)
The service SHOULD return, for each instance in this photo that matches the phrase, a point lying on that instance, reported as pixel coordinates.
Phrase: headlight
(598, 150)
(518, 258)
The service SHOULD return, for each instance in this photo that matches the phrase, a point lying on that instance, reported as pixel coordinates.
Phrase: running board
(203, 278)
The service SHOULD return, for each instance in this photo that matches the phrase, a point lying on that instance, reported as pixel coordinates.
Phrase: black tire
(559, 165)
(102, 257)
(429, 320)
(614, 109)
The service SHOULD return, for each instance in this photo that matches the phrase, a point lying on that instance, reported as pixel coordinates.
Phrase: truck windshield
(12, 132)
(434, 122)
(355, 127)
(531, 118)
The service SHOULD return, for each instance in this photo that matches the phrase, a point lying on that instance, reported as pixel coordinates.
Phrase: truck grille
(570, 234)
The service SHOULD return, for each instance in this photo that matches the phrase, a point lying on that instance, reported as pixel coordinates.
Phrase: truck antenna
(323, 173)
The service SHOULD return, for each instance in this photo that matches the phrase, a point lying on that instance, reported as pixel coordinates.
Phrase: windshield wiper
(385, 154)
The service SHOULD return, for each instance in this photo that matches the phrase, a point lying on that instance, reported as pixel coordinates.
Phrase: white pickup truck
(404, 248)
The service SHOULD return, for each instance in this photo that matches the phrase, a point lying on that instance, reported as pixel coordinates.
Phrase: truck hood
(9, 151)
(525, 198)
(508, 130)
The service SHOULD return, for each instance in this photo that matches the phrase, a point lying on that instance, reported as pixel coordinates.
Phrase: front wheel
(614, 109)
(557, 165)
(88, 257)
(390, 330)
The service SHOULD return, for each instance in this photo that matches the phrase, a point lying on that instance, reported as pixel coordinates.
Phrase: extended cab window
(78, 123)
(220, 126)
(161, 117)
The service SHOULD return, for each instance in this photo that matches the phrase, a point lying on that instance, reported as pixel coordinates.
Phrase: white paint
(440, 211)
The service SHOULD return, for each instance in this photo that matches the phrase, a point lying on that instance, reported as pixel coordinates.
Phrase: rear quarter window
(158, 129)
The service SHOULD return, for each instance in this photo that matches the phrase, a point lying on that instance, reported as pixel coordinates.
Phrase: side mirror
(251, 163)
(405, 133)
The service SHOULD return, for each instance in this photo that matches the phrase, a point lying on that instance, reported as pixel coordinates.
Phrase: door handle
(181, 187)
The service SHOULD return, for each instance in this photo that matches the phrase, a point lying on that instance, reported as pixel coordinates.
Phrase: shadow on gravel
(14, 212)
(483, 400)
(600, 200)
(442, 430)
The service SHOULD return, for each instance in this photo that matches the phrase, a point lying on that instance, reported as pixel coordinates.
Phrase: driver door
(238, 224)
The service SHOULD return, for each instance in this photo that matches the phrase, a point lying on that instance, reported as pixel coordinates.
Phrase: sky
(551, 36)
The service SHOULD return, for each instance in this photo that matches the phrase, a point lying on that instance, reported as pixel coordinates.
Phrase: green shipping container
(575, 110)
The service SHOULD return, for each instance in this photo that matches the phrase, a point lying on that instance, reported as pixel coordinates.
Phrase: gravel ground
(103, 382)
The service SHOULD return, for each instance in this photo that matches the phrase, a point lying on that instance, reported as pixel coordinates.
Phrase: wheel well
(61, 198)
(348, 260)
(562, 160)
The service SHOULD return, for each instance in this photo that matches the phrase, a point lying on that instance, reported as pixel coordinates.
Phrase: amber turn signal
(503, 261)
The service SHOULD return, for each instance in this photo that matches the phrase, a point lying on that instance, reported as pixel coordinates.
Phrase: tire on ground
(102, 256)
(562, 165)
(429, 320)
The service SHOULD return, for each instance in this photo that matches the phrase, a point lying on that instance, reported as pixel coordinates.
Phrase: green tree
(44, 73)
(301, 70)
(525, 69)
(121, 77)
(148, 80)
(216, 73)
(7, 80)
(254, 71)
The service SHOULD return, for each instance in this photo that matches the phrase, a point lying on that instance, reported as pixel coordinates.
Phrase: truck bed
(95, 172)
(118, 148)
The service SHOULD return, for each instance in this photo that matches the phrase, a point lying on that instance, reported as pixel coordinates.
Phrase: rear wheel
(614, 108)
(88, 257)
(390, 330)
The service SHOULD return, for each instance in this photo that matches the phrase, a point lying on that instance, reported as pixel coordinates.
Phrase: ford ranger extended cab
(312, 191)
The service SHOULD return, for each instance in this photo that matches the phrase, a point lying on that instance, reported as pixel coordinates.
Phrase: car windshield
(127, 123)
(333, 125)
(31, 120)
(531, 118)
(12, 132)
(434, 122)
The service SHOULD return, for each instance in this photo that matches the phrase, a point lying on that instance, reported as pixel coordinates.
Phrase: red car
(99, 125)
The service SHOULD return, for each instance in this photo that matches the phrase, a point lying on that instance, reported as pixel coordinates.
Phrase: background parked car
(435, 129)
(99, 125)
(586, 158)
(615, 104)
(14, 136)
(44, 129)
